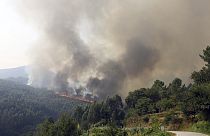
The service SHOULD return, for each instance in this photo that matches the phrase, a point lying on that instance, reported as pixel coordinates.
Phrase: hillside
(13, 72)
(18, 74)
(22, 107)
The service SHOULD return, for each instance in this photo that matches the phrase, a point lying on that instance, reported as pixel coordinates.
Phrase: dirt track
(182, 133)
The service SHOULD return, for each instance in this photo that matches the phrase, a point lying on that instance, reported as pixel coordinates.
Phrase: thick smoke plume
(113, 46)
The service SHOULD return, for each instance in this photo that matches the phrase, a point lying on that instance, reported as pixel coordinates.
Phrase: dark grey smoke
(133, 63)
(61, 81)
(111, 82)
(115, 46)
(138, 58)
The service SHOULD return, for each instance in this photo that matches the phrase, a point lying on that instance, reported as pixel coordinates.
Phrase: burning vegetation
(80, 95)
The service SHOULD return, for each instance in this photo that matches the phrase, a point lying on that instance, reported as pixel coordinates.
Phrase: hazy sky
(16, 36)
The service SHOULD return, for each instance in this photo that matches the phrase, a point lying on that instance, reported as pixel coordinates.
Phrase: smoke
(112, 46)
(138, 58)
(111, 82)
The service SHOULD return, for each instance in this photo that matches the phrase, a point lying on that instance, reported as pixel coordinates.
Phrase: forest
(23, 107)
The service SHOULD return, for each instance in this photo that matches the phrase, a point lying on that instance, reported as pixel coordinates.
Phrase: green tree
(78, 114)
(160, 88)
(47, 128)
(165, 104)
(206, 56)
(105, 112)
(132, 98)
(66, 126)
(94, 114)
(198, 100)
(116, 106)
(144, 106)
(203, 76)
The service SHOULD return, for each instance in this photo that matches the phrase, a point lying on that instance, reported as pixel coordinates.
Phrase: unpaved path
(182, 133)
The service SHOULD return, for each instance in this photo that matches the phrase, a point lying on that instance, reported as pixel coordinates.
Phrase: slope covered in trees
(23, 107)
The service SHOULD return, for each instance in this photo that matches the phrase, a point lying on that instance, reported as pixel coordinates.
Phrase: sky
(16, 36)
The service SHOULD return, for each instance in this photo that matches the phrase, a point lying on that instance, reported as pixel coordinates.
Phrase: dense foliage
(111, 131)
(23, 107)
(64, 126)
(201, 126)
(203, 76)
(100, 114)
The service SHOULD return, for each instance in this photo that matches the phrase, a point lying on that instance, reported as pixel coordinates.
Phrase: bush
(107, 131)
(202, 127)
(64, 126)
(155, 130)
(146, 119)
(172, 118)
(112, 131)
(167, 119)
(151, 132)
(131, 113)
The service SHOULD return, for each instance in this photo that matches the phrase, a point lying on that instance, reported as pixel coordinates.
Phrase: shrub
(155, 130)
(146, 119)
(172, 118)
(202, 127)
(131, 113)
(107, 131)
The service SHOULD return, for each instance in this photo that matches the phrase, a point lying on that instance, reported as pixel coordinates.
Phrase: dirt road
(182, 133)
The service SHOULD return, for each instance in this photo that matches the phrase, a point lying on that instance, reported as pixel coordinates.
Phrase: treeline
(192, 99)
(23, 107)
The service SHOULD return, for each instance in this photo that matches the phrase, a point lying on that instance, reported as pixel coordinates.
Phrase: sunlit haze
(16, 36)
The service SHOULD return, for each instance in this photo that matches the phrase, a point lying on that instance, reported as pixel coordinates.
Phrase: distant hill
(18, 74)
(23, 107)
(14, 72)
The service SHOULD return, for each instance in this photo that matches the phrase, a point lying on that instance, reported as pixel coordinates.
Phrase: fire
(76, 97)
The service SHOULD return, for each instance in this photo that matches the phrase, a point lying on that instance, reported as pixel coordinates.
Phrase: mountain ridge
(15, 72)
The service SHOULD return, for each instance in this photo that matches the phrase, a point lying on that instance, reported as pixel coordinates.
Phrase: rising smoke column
(112, 46)
(136, 60)
(61, 52)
